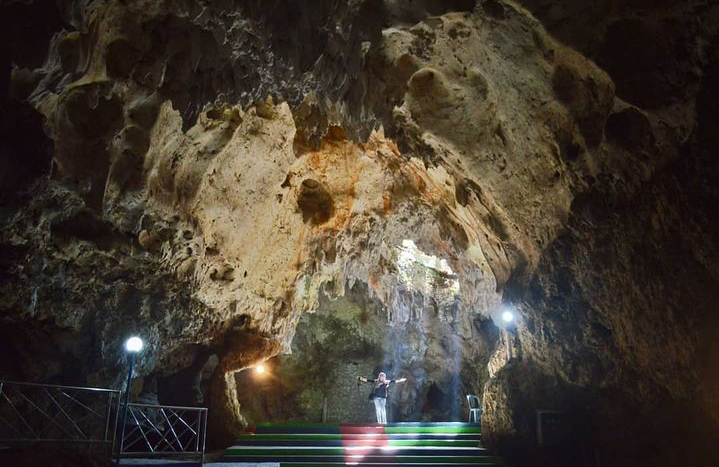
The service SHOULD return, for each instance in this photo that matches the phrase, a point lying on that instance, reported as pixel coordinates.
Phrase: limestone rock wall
(348, 337)
(208, 174)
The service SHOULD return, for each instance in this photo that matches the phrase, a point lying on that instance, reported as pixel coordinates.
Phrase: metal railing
(47, 413)
(50, 413)
(162, 430)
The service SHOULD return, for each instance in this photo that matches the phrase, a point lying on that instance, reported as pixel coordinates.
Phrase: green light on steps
(432, 429)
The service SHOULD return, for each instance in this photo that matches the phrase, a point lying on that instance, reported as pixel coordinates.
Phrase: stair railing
(47, 413)
(163, 430)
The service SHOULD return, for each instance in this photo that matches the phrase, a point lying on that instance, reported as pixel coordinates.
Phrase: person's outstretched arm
(365, 380)
(401, 380)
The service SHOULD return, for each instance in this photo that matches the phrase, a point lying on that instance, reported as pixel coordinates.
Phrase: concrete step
(395, 428)
(360, 436)
(374, 459)
(357, 441)
(406, 444)
(353, 450)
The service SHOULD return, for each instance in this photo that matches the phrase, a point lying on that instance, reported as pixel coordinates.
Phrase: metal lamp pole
(133, 346)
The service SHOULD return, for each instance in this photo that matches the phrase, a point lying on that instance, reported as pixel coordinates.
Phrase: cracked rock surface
(345, 187)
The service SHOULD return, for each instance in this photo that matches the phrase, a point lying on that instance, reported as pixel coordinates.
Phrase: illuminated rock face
(371, 179)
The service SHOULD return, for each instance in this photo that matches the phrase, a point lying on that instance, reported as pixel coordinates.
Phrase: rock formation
(363, 185)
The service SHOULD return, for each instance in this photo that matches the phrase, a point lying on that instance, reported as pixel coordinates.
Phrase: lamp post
(132, 346)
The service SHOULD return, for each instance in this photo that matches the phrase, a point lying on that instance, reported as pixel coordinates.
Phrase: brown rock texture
(356, 186)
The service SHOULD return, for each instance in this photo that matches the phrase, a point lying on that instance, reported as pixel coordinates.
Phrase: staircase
(406, 444)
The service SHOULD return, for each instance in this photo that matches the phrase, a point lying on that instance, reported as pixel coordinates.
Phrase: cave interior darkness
(336, 188)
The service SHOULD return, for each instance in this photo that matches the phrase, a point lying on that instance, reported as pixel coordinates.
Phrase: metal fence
(45, 413)
(162, 430)
(51, 413)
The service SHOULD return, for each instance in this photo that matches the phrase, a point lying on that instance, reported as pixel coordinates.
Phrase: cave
(509, 199)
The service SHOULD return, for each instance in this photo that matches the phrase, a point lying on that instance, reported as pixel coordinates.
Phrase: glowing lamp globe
(260, 369)
(133, 344)
(507, 316)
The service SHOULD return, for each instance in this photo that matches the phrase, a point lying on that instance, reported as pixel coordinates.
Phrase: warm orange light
(260, 369)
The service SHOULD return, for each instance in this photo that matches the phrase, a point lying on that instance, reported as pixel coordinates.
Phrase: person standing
(379, 394)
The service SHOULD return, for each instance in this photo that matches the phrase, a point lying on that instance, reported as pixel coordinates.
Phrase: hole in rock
(425, 273)
(241, 322)
(121, 58)
(84, 225)
(630, 128)
(571, 151)
(315, 202)
(215, 114)
(494, 9)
